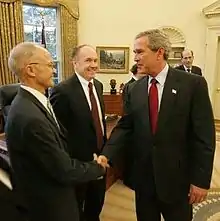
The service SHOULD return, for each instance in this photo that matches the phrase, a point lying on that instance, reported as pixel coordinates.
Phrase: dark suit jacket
(182, 150)
(71, 107)
(130, 81)
(195, 69)
(44, 172)
(128, 153)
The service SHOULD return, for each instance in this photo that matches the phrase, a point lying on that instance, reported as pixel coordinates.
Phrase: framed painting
(113, 59)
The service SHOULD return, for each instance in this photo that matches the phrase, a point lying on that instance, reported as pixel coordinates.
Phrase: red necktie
(95, 116)
(153, 104)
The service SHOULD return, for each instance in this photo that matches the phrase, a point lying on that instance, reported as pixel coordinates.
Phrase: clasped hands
(101, 160)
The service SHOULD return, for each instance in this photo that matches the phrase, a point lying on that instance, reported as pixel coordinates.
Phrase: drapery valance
(71, 5)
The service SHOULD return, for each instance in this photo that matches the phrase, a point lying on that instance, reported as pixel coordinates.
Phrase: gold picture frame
(113, 59)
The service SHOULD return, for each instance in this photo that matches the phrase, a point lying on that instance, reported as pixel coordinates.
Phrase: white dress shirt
(161, 78)
(134, 76)
(85, 86)
(186, 69)
(42, 99)
(5, 179)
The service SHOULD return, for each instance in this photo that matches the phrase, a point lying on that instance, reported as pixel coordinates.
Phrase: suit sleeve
(203, 136)
(200, 71)
(120, 133)
(51, 157)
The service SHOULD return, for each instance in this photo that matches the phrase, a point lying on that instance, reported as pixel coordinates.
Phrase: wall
(115, 23)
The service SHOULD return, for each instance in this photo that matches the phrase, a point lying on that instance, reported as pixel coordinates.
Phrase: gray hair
(157, 39)
(20, 55)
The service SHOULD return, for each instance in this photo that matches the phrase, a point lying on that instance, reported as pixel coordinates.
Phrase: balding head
(21, 55)
(33, 65)
(85, 61)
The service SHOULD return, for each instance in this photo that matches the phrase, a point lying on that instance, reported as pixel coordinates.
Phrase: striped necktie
(50, 109)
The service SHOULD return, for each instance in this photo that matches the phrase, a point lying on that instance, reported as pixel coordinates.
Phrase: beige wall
(116, 22)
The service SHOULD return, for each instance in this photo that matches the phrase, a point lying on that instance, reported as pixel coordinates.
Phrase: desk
(113, 103)
(114, 173)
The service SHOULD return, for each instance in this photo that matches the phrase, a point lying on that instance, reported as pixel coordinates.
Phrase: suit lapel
(140, 101)
(40, 106)
(182, 68)
(83, 103)
(99, 91)
(169, 95)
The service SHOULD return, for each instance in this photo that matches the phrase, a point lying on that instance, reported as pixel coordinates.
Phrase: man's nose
(136, 58)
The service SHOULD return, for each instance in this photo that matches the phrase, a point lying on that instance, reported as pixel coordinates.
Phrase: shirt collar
(135, 78)
(161, 77)
(186, 69)
(83, 81)
(41, 97)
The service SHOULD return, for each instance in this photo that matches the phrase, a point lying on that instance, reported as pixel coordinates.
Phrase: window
(34, 17)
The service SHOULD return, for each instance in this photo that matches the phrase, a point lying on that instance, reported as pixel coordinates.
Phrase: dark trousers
(90, 199)
(150, 208)
(148, 205)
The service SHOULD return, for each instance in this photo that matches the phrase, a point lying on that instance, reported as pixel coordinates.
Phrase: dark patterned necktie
(95, 116)
(153, 104)
(188, 70)
(50, 108)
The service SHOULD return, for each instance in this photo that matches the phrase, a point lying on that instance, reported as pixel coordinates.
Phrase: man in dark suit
(170, 115)
(187, 61)
(128, 157)
(79, 105)
(135, 75)
(43, 171)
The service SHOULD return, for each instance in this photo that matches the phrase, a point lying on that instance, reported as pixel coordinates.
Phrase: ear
(30, 71)
(160, 53)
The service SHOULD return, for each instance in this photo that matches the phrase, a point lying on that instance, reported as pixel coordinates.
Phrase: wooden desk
(113, 173)
(113, 103)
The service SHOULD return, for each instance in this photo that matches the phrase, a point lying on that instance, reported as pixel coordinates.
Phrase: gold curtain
(11, 33)
(68, 40)
(69, 14)
(71, 5)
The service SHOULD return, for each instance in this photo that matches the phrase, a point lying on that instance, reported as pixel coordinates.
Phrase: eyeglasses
(50, 65)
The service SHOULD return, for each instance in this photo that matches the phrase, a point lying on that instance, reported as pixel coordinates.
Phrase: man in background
(79, 105)
(43, 171)
(187, 58)
(128, 157)
(135, 75)
(169, 114)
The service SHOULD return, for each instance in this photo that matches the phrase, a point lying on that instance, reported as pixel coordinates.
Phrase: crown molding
(212, 10)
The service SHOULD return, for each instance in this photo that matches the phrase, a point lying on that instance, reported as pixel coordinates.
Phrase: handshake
(101, 160)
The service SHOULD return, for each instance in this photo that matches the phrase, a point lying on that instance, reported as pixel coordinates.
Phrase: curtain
(68, 40)
(11, 33)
